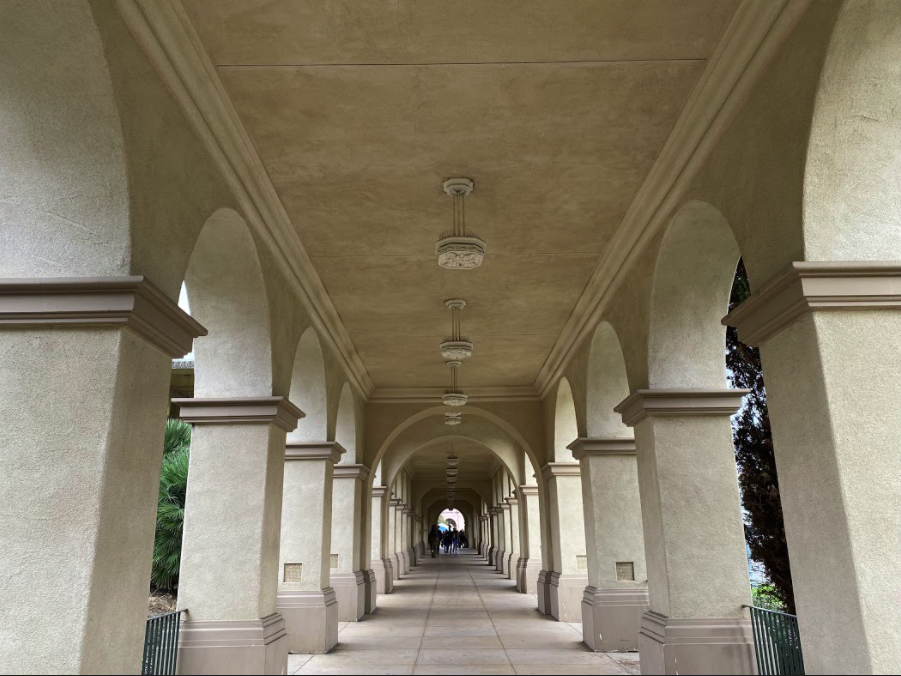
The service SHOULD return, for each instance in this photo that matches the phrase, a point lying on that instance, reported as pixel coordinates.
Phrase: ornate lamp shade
(459, 250)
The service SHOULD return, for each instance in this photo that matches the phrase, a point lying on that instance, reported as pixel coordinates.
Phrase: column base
(611, 618)
(388, 576)
(696, 646)
(510, 569)
(490, 555)
(499, 556)
(311, 620)
(533, 569)
(371, 591)
(566, 596)
(350, 588)
(233, 646)
(411, 559)
(378, 567)
(396, 566)
(521, 564)
(402, 563)
(543, 592)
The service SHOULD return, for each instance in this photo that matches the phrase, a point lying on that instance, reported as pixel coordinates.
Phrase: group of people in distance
(452, 540)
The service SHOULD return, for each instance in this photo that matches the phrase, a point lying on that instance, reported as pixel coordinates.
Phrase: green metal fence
(777, 642)
(161, 644)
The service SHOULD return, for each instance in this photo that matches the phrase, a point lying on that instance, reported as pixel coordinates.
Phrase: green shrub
(170, 513)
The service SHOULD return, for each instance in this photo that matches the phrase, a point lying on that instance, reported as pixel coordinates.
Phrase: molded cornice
(240, 410)
(599, 446)
(406, 395)
(803, 287)
(314, 450)
(747, 46)
(643, 404)
(166, 35)
(132, 302)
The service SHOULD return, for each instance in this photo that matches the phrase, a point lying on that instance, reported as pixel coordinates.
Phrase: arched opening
(308, 390)
(346, 426)
(692, 281)
(608, 384)
(566, 429)
(228, 296)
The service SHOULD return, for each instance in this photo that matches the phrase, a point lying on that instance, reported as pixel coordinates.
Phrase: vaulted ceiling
(360, 110)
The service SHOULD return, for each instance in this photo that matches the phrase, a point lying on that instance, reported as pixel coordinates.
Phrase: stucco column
(347, 527)
(617, 593)
(408, 539)
(483, 538)
(569, 577)
(398, 509)
(381, 564)
(507, 516)
(306, 600)
(230, 548)
(370, 582)
(492, 536)
(530, 545)
(514, 559)
(391, 552)
(830, 343)
(693, 532)
(84, 404)
(501, 538)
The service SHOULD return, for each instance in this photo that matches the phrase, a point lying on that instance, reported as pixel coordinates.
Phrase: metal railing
(161, 644)
(777, 642)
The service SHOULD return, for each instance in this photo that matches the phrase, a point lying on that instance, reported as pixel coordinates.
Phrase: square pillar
(230, 551)
(507, 516)
(693, 532)
(830, 343)
(568, 579)
(381, 564)
(85, 365)
(617, 593)
(492, 536)
(408, 538)
(394, 537)
(347, 541)
(514, 558)
(530, 560)
(306, 601)
(500, 536)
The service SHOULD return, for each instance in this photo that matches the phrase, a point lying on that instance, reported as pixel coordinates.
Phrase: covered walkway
(456, 615)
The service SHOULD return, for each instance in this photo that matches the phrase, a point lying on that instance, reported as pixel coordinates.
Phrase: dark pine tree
(759, 484)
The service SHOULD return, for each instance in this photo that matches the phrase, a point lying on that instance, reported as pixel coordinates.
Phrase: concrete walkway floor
(455, 615)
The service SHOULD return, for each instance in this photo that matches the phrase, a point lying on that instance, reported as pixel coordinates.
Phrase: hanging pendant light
(456, 347)
(459, 250)
(454, 397)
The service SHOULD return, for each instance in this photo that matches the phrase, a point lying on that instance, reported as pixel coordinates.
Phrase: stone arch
(502, 428)
(66, 209)
(424, 439)
(346, 425)
(855, 133)
(566, 428)
(690, 295)
(308, 389)
(608, 384)
(228, 296)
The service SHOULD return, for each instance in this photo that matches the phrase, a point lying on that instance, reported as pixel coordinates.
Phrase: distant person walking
(434, 540)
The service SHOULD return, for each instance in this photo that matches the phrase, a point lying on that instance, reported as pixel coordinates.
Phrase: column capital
(395, 502)
(806, 286)
(314, 450)
(132, 302)
(379, 491)
(599, 446)
(553, 469)
(240, 410)
(494, 511)
(643, 404)
(510, 502)
(528, 490)
(352, 471)
(506, 506)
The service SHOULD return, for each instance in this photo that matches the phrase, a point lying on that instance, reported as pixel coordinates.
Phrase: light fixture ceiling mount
(457, 249)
